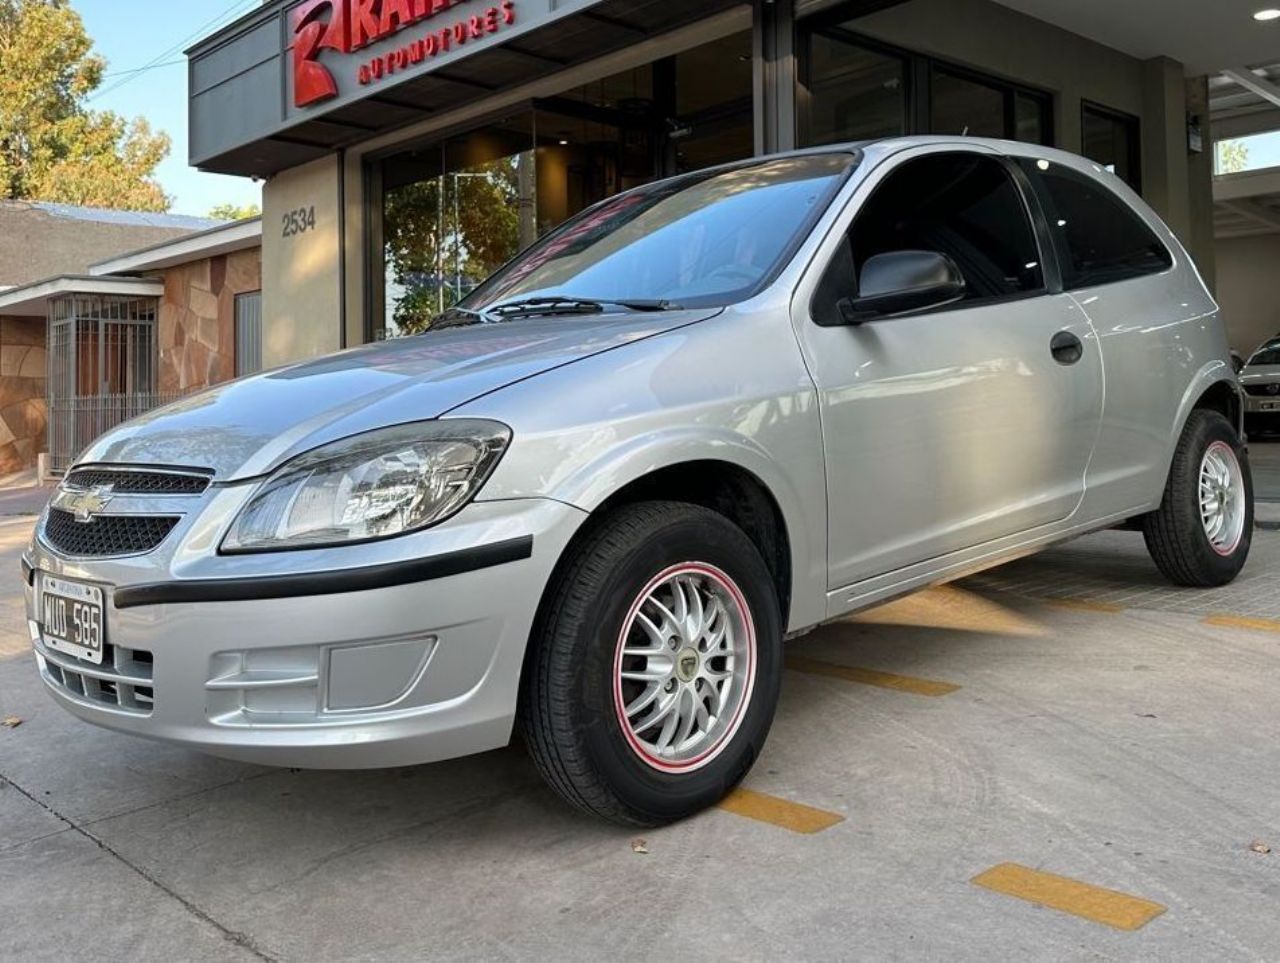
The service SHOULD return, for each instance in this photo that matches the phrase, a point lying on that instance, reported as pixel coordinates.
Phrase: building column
(1164, 142)
(301, 262)
(1200, 168)
(775, 75)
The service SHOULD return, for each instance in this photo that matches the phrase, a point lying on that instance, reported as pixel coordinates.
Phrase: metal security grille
(102, 368)
(248, 333)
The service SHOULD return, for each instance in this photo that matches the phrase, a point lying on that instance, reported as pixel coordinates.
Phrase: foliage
(446, 234)
(230, 212)
(1233, 156)
(52, 146)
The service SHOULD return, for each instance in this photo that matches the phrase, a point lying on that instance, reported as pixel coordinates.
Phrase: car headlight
(376, 485)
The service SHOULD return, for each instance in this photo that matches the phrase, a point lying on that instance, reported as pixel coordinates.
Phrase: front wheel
(654, 670)
(1201, 534)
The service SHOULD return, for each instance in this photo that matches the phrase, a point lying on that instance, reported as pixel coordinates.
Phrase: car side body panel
(732, 389)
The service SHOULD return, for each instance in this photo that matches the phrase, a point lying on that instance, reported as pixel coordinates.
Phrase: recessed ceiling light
(1271, 13)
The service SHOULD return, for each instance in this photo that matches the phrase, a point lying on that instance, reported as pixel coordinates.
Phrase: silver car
(1260, 379)
(703, 416)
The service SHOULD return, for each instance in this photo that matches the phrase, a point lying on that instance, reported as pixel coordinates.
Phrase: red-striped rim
(744, 682)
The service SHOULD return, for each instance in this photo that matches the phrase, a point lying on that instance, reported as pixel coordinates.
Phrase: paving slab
(65, 898)
(1091, 726)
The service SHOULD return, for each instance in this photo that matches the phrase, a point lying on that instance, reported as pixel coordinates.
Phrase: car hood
(1260, 374)
(246, 428)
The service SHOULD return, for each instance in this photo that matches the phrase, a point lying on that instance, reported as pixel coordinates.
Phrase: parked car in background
(702, 416)
(1260, 379)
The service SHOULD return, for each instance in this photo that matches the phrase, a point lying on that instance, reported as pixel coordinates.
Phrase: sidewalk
(20, 495)
(28, 500)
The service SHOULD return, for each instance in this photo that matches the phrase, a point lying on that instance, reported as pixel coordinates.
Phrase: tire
(574, 701)
(1177, 535)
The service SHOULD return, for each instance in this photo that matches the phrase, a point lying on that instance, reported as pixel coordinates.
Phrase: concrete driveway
(1059, 759)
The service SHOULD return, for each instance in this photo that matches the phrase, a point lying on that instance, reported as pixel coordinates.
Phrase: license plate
(71, 617)
(1270, 405)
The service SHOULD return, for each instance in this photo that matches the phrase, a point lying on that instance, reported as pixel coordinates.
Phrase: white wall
(302, 271)
(1249, 289)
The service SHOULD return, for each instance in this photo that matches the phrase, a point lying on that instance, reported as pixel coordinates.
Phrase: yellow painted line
(779, 812)
(885, 680)
(1084, 605)
(1241, 622)
(1106, 906)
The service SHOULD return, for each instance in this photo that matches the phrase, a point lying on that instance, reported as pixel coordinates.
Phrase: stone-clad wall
(24, 413)
(197, 320)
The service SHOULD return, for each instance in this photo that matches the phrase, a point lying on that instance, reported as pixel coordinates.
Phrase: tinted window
(963, 205)
(1113, 140)
(1099, 238)
(1268, 354)
(699, 240)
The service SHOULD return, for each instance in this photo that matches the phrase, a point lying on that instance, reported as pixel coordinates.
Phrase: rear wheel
(1201, 534)
(653, 673)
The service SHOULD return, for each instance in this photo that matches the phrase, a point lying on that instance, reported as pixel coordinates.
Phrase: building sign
(346, 27)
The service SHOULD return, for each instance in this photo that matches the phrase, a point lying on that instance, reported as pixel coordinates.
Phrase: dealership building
(408, 147)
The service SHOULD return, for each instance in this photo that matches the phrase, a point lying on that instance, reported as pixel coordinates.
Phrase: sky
(133, 34)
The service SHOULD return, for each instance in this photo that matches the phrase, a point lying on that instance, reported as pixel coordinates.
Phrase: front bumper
(1262, 404)
(384, 672)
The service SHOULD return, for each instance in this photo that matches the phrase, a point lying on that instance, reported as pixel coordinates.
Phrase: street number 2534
(299, 221)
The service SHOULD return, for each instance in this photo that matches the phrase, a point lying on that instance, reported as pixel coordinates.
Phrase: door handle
(1066, 348)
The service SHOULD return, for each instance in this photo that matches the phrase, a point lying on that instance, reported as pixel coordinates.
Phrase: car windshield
(701, 240)
(1268, 354)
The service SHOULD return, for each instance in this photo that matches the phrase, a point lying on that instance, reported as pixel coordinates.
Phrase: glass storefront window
(855, 93)
(1111, 139)
(452, 213)
(857, 89)
(959, 105)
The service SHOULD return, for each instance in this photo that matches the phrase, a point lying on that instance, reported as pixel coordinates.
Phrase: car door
(947, 428)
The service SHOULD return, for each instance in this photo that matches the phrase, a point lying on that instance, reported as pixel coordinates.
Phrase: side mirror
(901, 281)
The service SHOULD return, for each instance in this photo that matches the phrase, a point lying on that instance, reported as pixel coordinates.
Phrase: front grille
(124, 681)
(106, 535)
(139, 482)
(1264, 391)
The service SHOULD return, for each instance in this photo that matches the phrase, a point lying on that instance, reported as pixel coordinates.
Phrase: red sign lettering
(346, 26)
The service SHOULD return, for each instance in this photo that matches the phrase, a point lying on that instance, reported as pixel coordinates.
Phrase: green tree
(52, 146)
(446, 234)
(1233, 156)
(230, 212)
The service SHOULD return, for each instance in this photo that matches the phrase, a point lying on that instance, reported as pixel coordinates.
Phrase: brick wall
(24, 412)
(197, 320)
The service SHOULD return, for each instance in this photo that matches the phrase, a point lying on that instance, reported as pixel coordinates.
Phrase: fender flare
(1212, 374)
(592, 484)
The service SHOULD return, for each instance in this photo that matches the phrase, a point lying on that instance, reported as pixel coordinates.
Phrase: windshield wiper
(456, 317)
(551, 306)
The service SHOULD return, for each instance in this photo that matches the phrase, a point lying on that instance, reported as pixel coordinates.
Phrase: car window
(705, 239)
(1269, 354)
(1100, 238)
(966, 206)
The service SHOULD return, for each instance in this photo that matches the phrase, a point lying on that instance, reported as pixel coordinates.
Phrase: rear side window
(1101, 240)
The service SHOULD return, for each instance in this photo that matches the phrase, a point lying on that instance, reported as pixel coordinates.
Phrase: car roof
(881, 148)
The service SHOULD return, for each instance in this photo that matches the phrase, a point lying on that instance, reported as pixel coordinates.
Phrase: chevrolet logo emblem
(84, 504)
